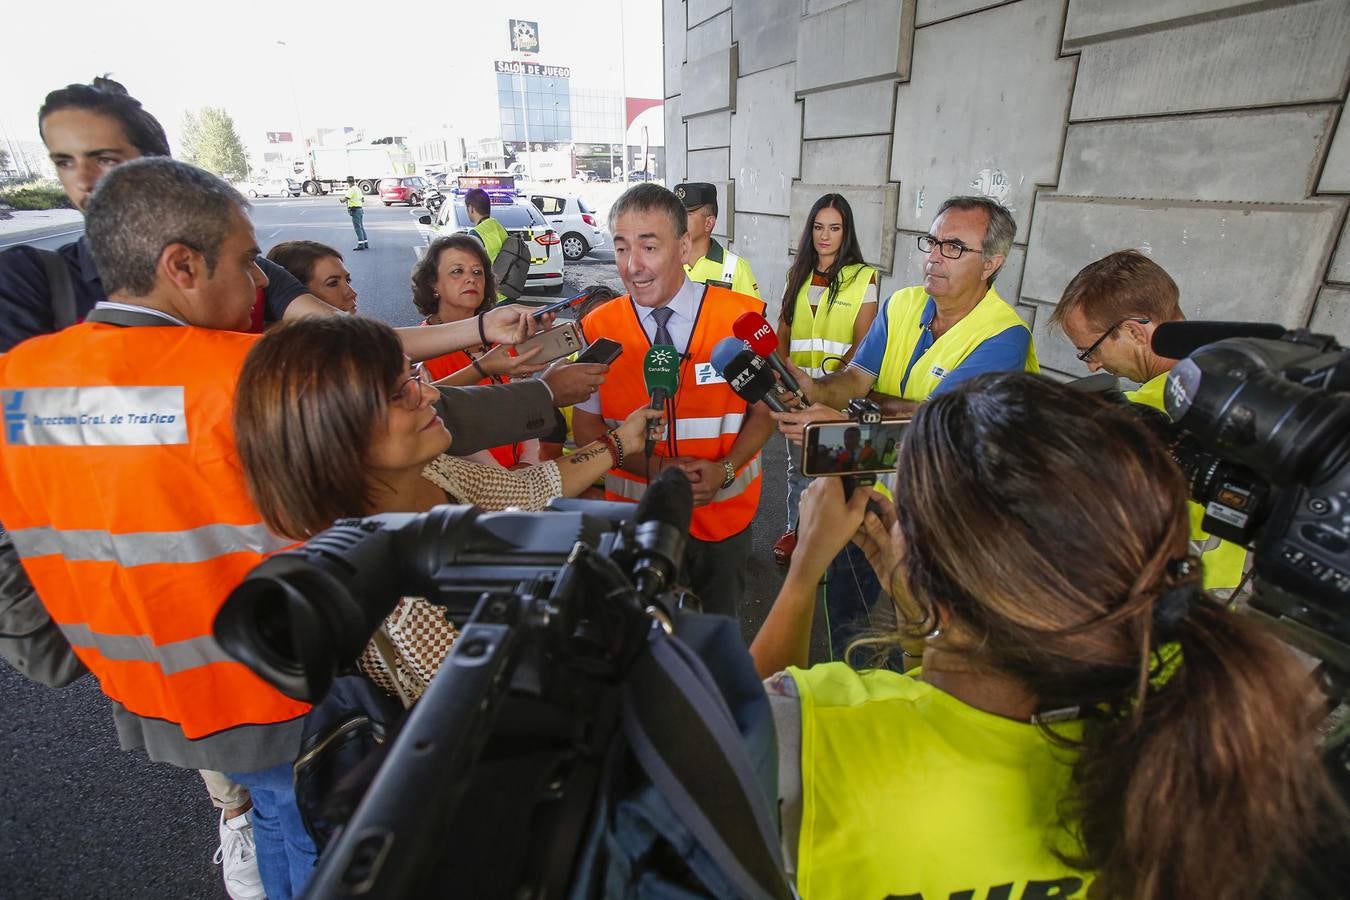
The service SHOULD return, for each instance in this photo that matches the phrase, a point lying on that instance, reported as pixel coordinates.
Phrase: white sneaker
(238, 859)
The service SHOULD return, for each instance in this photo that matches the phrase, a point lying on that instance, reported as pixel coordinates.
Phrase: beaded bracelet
(474, 362)
(611, 439)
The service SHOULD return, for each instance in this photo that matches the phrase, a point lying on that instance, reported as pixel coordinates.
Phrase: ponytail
(1211, 778)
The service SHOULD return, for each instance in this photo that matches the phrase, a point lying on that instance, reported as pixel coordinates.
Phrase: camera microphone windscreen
(1178, 340)
(661, 526)
(759, 336)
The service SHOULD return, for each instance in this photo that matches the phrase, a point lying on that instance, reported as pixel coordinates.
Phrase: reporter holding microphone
(1086, 720)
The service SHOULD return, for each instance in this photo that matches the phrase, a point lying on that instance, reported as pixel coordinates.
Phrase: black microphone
(1178, 340)
(758, 335)
(751, 379)
(661, 527)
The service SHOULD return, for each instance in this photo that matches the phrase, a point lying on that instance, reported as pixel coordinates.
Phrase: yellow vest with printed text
(724, 268)
(904, 314)
(909, 793)
(1224, 561)
(354, 198)
(826, 332)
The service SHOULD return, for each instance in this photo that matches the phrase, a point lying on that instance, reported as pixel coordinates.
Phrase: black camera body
(1263, 436)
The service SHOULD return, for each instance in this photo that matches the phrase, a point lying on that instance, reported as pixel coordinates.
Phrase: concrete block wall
(1211, 134)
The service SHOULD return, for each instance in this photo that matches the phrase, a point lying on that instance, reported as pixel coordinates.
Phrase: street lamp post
(295, 99)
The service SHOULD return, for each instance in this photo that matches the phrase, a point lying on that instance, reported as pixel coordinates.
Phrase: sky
(342, 63)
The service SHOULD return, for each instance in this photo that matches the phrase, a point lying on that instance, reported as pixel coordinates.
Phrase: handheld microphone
(661, 527)
(661, 372)
(747, 376)
(759, 335)
(1178, 340)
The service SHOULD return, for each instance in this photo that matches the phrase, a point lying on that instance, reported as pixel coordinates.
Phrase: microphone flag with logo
(746, 373)
(661, 373)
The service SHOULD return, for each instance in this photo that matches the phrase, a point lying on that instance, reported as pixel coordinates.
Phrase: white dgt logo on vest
(704, 373)
(938, 372)
(95, 416)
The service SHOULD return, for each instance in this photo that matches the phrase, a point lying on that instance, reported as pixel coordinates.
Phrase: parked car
(409, 189)
(574, 221)
(271, 187)
(518, 217)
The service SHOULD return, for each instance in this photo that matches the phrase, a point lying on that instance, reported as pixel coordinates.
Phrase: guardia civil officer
(710, 262)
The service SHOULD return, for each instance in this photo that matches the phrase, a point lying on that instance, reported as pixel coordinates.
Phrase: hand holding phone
(601, 350)
(559, 306)
(557, 342)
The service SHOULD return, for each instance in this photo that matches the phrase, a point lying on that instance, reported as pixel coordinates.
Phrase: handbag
(407, 650)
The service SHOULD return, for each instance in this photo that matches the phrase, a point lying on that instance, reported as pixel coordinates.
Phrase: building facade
(1211, 134)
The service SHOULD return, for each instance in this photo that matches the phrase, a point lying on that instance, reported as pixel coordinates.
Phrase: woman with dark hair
(1086, 721)
(332, 421)
(830, 302)
(320, 268)
(452, 282)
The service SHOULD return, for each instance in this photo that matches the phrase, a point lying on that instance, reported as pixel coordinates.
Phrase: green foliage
(4, 158)
(211, 143)
(34, 194)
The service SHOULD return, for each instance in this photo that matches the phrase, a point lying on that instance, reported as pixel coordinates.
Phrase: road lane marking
(43, 238)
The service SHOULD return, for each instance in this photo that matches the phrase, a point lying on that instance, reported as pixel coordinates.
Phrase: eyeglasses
(1086, 355)
(950, 249)
(409, 393)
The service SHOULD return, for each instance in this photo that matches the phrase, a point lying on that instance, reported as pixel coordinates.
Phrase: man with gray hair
(925, 339)
(122, 493)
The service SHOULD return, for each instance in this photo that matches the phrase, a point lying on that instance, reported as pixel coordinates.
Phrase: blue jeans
(286, 853)
(358, 214)
(850, 590)
(796, 483)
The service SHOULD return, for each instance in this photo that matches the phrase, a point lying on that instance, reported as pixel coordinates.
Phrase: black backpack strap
(684, 737)
(60, 288)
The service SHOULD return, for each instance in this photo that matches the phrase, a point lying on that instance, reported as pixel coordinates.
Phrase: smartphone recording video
(848, 448)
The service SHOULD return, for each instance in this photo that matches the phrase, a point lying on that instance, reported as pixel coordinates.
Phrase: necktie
(662, 316)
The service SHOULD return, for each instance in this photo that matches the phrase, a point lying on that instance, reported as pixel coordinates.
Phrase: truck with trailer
(330, 166)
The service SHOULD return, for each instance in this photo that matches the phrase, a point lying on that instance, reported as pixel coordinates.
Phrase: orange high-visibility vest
(122, 490)
(707, 413)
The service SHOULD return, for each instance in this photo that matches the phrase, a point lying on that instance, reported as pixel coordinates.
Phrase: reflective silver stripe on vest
(729, 261)
(704, 428)
(807, 345)
(631, 489)
(708, 426)
(173, 658)
(142, 548)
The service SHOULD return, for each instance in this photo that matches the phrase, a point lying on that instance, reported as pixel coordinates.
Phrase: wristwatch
(731, 474)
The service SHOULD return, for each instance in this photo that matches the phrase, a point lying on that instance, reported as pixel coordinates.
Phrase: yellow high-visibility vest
(721, 266)
(827, 332)
(1223, 561)
(990, 317)
(908, 792)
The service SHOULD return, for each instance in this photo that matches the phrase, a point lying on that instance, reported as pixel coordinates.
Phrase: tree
(211, 143)
(4, 158)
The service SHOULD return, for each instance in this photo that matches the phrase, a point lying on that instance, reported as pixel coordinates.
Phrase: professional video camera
(1263, 435)
(578, 701)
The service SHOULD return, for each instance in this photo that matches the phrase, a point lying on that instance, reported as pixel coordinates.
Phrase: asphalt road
(79, 817)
